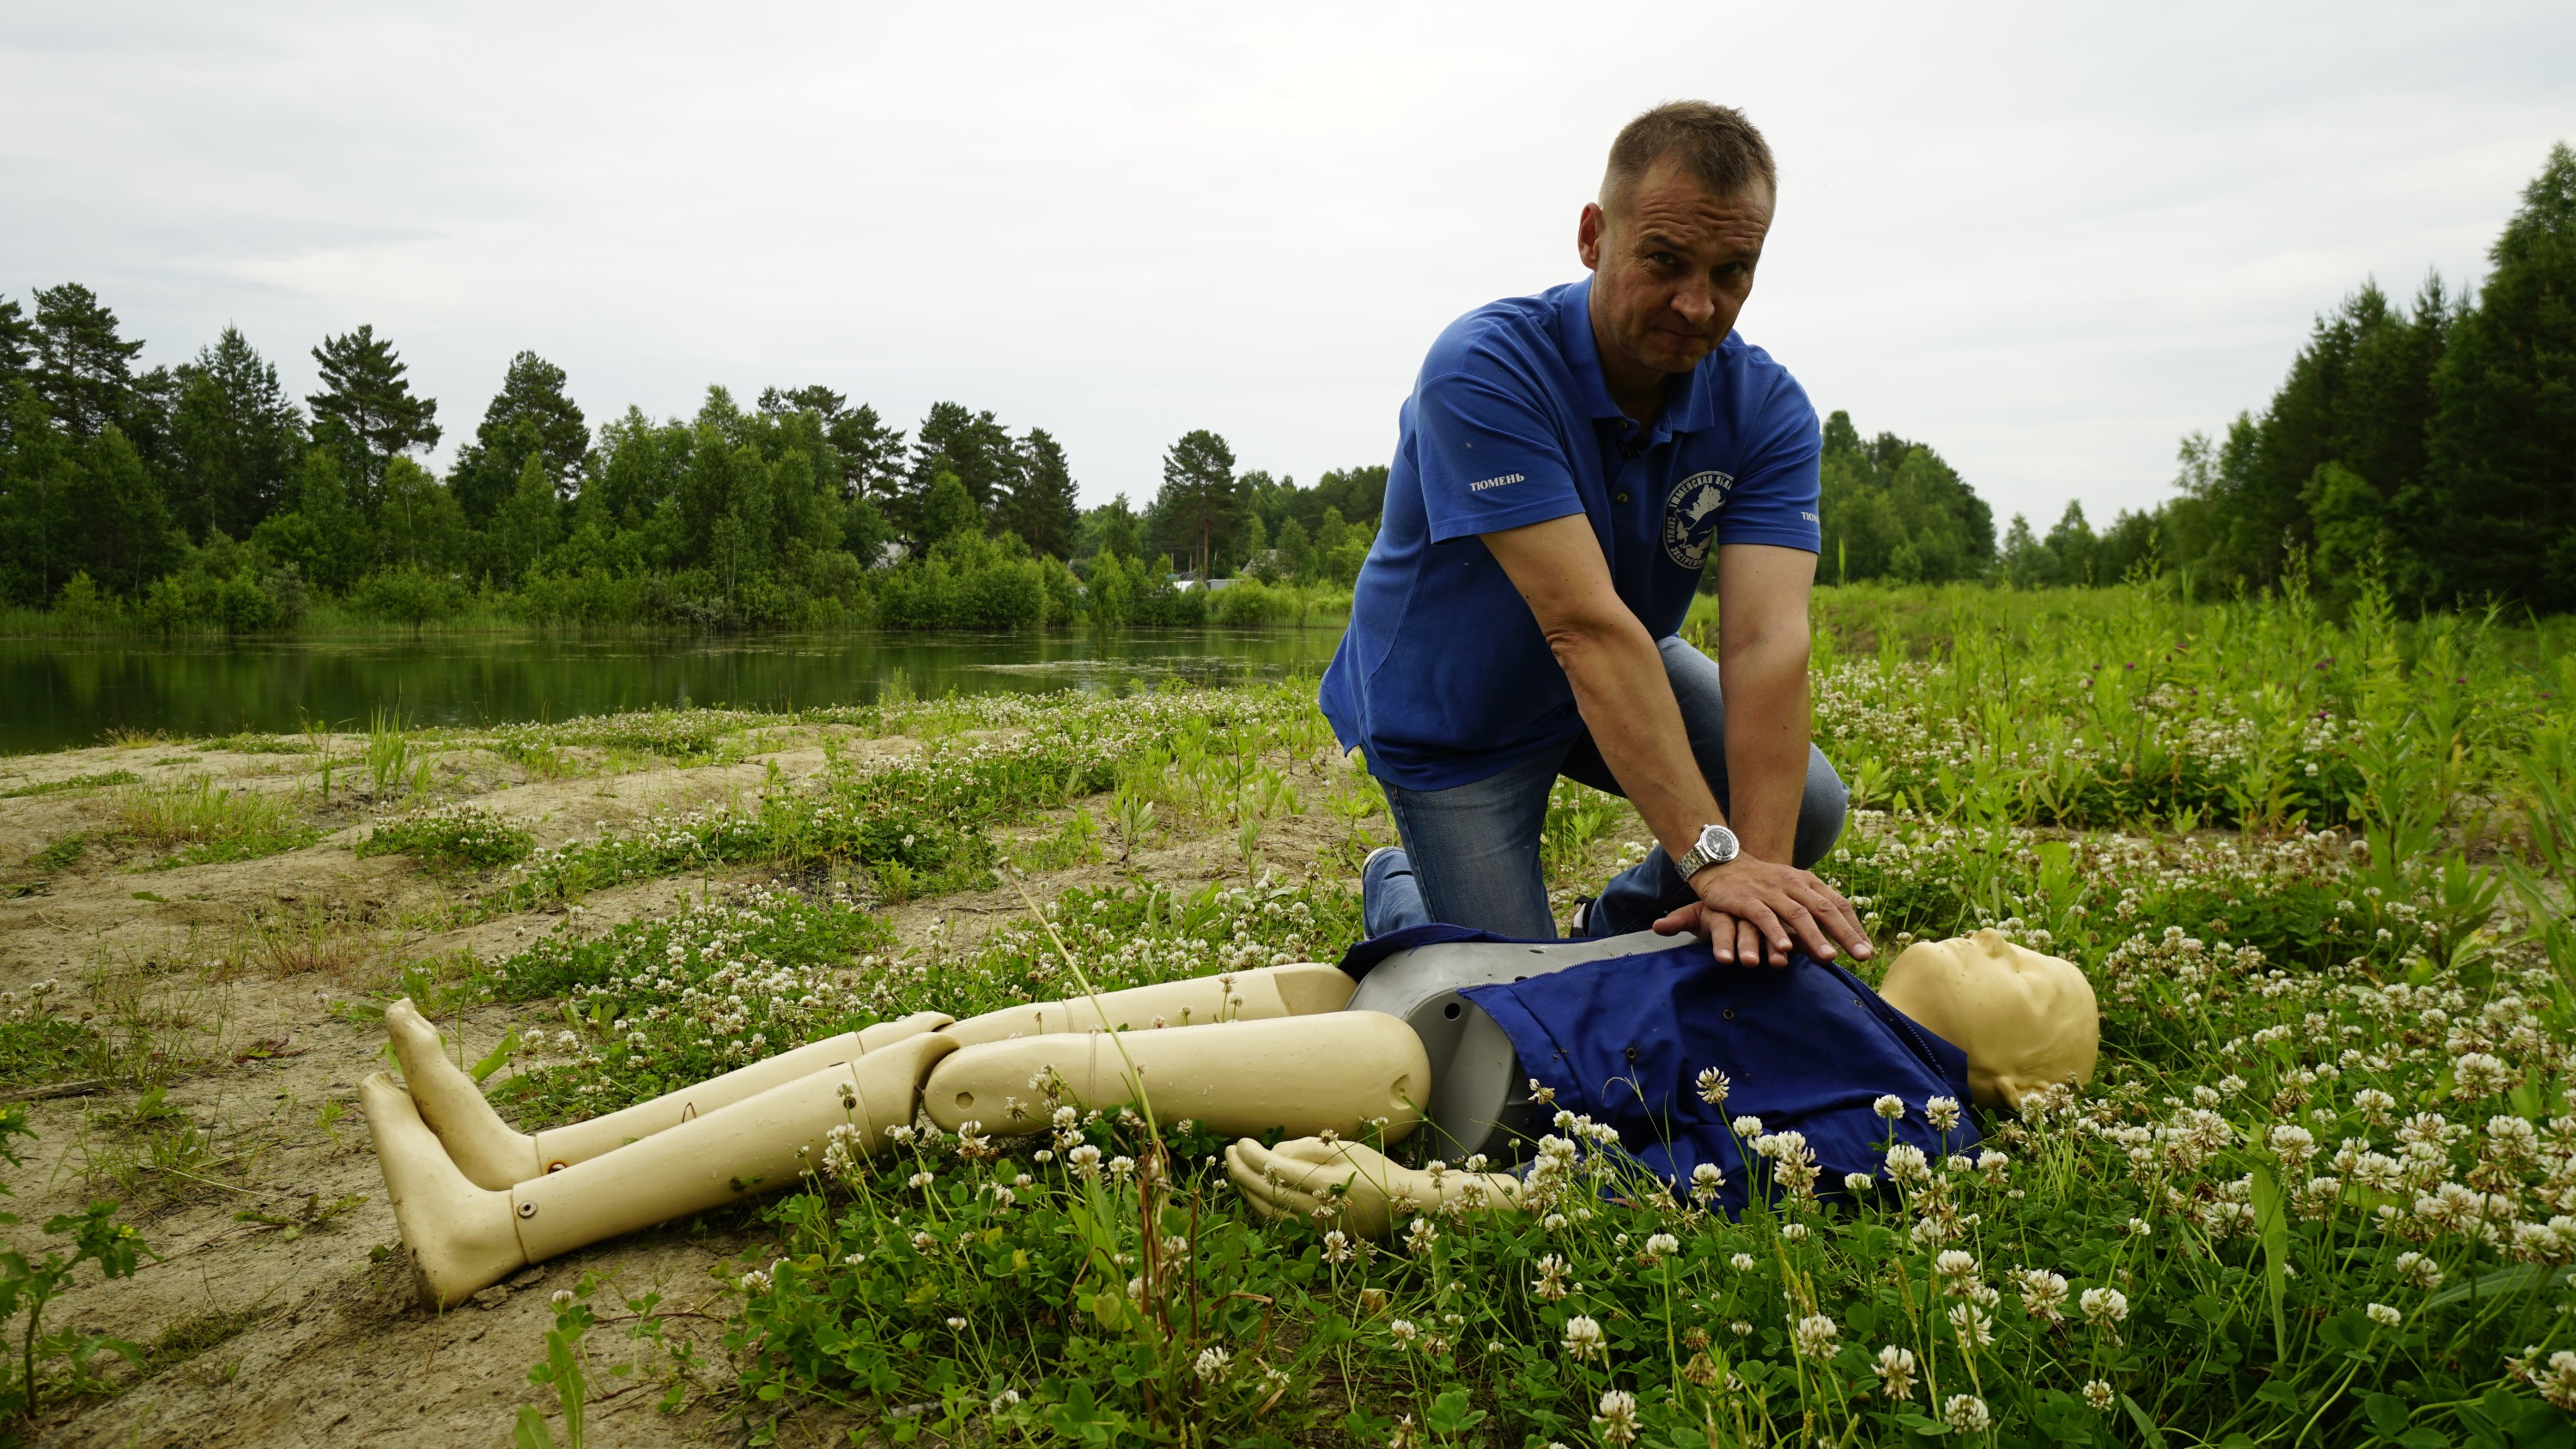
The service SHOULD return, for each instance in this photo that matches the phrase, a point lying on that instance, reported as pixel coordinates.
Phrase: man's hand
(1753, 911)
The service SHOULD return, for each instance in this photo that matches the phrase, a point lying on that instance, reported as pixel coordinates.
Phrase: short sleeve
(1774, 498)
(1489, 458)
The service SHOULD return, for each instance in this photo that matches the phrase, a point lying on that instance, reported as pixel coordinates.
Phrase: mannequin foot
(461, 1237)
(482, 1146)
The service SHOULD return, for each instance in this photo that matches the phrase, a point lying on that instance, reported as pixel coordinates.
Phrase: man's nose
(1695, 305)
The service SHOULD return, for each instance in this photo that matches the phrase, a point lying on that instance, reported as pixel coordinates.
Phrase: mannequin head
(2024, 1019)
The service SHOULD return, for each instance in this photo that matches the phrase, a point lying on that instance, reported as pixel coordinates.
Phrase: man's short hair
(1715, 144)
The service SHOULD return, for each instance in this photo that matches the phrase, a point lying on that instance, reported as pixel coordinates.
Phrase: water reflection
(56, 693)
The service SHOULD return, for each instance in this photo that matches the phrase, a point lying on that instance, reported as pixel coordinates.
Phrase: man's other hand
(1754, 912)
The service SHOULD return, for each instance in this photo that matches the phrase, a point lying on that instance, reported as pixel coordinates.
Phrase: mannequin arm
(1298, 1179)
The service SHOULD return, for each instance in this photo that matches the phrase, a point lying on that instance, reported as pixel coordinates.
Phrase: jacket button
(1728, 1013)
(1622, 498)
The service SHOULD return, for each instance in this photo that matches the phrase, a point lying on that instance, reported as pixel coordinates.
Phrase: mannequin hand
(1296, 1178)
(1748, 907)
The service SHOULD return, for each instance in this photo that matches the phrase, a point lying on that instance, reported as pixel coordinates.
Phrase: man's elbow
(1786, 644)
(1579, 640)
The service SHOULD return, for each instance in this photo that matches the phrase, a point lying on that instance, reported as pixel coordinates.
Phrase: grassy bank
(2315, 867)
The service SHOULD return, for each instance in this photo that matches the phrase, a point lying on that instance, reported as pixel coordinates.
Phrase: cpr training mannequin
(1241, 1053)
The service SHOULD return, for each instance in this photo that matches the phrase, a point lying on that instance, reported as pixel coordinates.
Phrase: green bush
(407, 595)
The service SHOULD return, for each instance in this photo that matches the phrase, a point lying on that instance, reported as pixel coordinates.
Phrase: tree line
(203, 495)
(2428, 445)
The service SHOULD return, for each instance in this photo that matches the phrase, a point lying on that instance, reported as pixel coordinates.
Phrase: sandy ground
(242, 973)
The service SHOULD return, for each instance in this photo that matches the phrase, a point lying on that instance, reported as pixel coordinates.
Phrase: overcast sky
(2046, 240)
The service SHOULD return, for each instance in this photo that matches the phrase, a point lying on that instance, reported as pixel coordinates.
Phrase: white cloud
(2046, 240)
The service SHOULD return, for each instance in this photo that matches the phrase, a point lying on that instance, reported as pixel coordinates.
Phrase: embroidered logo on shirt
(1507, 478)
(1690, 516)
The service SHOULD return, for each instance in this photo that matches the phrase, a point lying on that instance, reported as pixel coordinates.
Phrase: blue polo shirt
(1443, 677)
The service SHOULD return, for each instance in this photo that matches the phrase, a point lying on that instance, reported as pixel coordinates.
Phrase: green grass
(202, 824)
(76, 782)
(2315, 868)
(45, 1049)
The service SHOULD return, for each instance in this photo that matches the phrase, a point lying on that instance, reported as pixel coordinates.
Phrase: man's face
(1671, 272)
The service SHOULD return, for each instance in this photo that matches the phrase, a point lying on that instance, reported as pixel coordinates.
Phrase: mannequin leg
(1339, 1071)
(463, 1238)
(492, 1155)
(1304, 989)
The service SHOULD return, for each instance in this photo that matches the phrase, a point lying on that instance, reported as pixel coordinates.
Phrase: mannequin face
(2024, 1019)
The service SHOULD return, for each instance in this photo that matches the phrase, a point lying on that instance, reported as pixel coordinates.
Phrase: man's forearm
(1765, 684)
(1626, 700)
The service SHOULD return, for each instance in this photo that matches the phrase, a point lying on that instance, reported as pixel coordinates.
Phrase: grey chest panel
(1479, 1093)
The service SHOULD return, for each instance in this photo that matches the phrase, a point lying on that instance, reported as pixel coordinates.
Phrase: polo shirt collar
(1688, 406)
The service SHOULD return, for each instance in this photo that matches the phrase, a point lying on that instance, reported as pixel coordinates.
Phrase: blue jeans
(1470, 855)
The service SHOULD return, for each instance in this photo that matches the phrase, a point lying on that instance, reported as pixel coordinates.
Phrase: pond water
(60, 693)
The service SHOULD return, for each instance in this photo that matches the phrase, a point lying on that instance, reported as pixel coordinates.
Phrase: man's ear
(1588, 234)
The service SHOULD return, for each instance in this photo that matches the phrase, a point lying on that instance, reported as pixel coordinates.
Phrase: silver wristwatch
(1716, 847)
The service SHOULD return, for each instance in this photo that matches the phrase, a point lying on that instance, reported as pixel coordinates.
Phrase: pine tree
(84, 371)
(529, 416)
(238, 441)
(125, 537)
(366, 410)
(2503, 438)
(39, 531)
(870, 453)
(971, 447)
(528, 523)
(1198, 504)
(17, 342)
(1042, 506)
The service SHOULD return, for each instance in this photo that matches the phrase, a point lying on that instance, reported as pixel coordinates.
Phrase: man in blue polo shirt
(1567, 464)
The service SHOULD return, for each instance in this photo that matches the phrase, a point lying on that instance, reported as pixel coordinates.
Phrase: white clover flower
(2099, 1394)
(2383, 1315)
(1858, 1184)
(2558, 1381)
(1895, 1370)
(1747, 1127)
(1583, 1338)
(1906, 1163)
(2292, 1143)
(2104, 1307)
(1970, 1322)
(562, 1298)
(754, 1281)
(1616, 1422)
(2480, 1075)
(1943, 1113)
(2419, 1271)
(1662, 1245)
(2043, 1294)
(1212, 1364)
(1891, 1106)
(1966, 1414)
(1551, 1284)
(1713, 1086)
(1741, 1262)
(1814, 1336)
